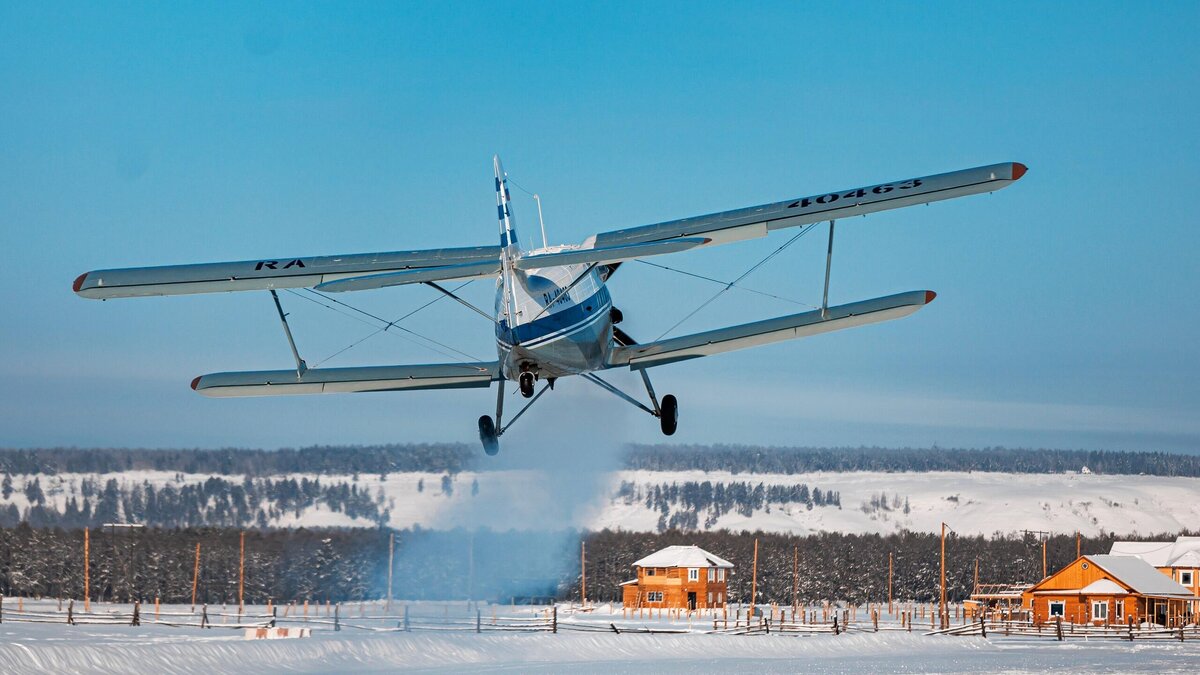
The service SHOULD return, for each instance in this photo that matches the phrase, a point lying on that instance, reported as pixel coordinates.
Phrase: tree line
(351, 565)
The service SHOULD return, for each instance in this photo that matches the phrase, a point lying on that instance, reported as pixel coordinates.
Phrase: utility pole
(976, 574)
(942, 610)
(391, 554)
(87, 574)
(889, 583)
(1044, 574)
(754, 578)
(195, 576)
(241, 571)
(583, 572)
(795, 578)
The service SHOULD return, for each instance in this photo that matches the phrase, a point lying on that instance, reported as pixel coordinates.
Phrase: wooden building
(1108, 589)
(1179, 560)
(678, 577)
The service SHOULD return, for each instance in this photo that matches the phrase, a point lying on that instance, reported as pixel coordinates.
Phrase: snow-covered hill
(971, 503)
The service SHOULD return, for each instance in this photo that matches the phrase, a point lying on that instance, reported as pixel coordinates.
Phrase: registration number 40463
(855, 194)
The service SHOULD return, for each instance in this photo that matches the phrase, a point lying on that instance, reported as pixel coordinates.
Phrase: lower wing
(345, 380)
(758, 333)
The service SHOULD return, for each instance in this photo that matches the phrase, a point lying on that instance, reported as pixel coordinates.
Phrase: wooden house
(678, 577)
(1179, 560)
(1108, 589)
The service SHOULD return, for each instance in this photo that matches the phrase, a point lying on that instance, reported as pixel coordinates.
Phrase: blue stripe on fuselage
(552, 323)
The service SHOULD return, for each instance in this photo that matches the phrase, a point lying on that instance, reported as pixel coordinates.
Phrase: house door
(691, 600)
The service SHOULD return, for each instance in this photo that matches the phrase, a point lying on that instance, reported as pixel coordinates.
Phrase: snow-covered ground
(525, 499)
(58, 648)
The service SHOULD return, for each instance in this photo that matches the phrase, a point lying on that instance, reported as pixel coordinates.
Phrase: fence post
(875, 619)
(982, 626)
(478, 621)
(407, 628)
(274, 615)
(137, 619)
(1058, 627)
(204, 616)
(337, 621)
(554, 620)
(2, 608)
(835, 624)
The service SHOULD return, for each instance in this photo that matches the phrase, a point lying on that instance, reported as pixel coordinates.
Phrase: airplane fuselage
(552, 322)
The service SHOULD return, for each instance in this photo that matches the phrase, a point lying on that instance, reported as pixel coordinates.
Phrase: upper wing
(257, 275)
(344, 380)
(771, 330)
(757, 221)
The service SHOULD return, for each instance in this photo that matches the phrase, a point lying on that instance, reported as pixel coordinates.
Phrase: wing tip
(196, 382)
(78, 284)
(1018, 170)
(929, 296)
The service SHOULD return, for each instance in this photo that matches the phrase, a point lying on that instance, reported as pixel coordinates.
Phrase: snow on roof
(683, 556)
(1160, 553)
(1139, 575)
(631, 581)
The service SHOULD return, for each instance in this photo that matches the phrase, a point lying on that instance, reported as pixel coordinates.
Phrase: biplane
(553, 314)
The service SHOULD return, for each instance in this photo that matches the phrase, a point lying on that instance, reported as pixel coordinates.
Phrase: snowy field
(1059, 502)
(59, 648)
(42, 648)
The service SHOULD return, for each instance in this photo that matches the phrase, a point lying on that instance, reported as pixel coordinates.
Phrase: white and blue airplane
(553, 314)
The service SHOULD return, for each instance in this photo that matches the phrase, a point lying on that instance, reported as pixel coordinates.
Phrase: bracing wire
(386, 327)
(726, 283)
(736, 281)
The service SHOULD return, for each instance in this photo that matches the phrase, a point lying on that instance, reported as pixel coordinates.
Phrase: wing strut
(828, 265)
(301, 366)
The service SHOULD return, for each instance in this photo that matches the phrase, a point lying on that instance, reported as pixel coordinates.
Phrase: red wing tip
(195, 382)
(929, 296)
(1018, 170)
(78, 282)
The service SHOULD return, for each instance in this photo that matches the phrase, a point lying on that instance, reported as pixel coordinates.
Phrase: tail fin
(508, 230)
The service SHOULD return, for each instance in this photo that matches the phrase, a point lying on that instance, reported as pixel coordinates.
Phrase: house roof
(1137, 574)
(683, 556)
(1161, 553)
(631, 581)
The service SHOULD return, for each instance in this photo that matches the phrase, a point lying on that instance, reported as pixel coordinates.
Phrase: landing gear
(526, 381)
(667, 412)
(488, 435)
(668, 415)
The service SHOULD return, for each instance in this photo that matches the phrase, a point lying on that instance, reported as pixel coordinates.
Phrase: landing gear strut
(490, 431)
(667, 413)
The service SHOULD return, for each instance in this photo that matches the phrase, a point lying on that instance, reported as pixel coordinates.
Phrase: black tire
(526, 381)
(669, 415)
(487, 435)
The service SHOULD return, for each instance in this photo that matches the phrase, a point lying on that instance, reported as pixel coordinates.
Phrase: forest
(348, 565)
(457, 457)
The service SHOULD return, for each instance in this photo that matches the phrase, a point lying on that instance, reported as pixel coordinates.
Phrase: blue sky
(1067, 314)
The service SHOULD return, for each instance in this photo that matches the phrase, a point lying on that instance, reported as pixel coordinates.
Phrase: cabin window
(654, 596)
(710, 597)
(649, 571)
(712, 574)
(1185, 578)
(721, 575)
(1100, 610)
(1120, 610)
(720, 596)
(693, 574)
(1058, 608)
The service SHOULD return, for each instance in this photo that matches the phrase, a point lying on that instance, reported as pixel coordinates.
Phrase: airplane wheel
(669, 417)
(487, 435)
(526, 381)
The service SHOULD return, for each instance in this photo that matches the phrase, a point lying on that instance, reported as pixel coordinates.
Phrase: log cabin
(678, 577)
(1108, 590)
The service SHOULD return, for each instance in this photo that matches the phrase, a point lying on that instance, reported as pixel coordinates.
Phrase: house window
(693, 574)
(654, 596)
(1058, 608)
(1120, 610)
(721, 575)
(1185, 578)
(649, 571)
(1100, 610)
(710, 597)
(720, 597)
(712, 574)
